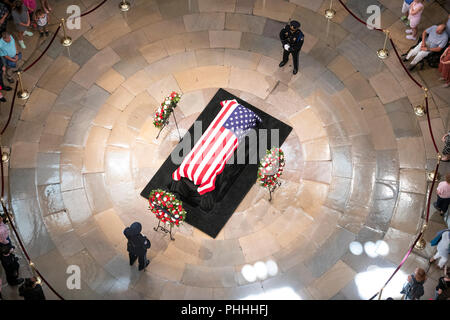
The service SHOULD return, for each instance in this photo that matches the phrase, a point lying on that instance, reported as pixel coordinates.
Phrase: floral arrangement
(166, 207)
(165, 109)
(271, 167)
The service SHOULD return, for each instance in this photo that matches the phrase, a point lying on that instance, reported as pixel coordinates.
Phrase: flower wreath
(165, 109)
(166, 207)
(271, 167)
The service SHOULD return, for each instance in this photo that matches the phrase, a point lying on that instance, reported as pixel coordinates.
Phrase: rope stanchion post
(330, 12)
(22, 93)
(66, 41)
(124, 6)
(384, 53)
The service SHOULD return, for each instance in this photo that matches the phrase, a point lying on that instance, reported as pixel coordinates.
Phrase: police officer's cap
(295, 24)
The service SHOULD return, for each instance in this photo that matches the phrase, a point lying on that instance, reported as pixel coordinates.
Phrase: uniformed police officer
(292, 39)
(137, 245)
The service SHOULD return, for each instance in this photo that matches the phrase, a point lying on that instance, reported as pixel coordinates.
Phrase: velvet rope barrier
(98, 6)
(429, 122)
(11, 109)
(45, 50)
(356, 17)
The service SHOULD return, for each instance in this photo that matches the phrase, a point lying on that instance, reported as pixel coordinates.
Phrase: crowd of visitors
(25, 15)
(434, 40)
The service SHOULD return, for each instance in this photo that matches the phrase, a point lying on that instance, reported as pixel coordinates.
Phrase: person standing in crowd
(41, 19)
(443, 287)
(5, 241)
(413, 288)
(405, 10)
(442, 241)
(443, 195)
(434, 39)
(10, 52)
(31, 290)
(292, 39)
(415, 14)
(4, 12)
(137, 245)
(2, 85)
(46, 6)
(31, 6)
(444, 67)
(11, 266)
(446, 150)
(22, 21)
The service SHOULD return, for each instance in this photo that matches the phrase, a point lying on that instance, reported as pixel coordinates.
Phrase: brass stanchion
(22, 93)
(124, 5)
(384, 53)
(329, 13)
(420, 109)
(381, 292)
(421, 244)
(66, 41)
(35, 274)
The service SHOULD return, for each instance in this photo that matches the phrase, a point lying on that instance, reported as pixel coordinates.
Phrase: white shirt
(442, 246)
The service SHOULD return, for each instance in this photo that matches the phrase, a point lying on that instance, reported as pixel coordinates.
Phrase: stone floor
(83, 146)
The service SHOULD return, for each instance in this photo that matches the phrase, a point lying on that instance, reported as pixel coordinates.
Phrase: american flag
(217, 144)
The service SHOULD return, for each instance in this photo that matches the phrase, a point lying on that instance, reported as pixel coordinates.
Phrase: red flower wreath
(271, 168)
(167, 207)
(165, 109)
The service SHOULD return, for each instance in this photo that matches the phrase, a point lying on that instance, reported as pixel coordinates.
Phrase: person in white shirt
(442, 250)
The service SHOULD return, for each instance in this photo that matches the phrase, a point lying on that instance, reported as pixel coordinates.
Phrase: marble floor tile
(341, 274)
(204, 21)
(413, 180)
(407, 213)
(225, 39)
(317, 149)
(203, 77)
(251, 81)
(342, 67)
(403, 119)
(58, 75)
(94, 152)
(110, 80)
(24, 155)
(307, 125)
(241, 59)
(244, 23)
(274, 9)
(216, 5)
(77, 206)
(411, 152)
(174, 8)
(121, 97)
(38, 105)
(107, 32)
(386, 87)
(106, 116)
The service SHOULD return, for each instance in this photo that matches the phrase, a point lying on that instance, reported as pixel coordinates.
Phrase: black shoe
(146, 264)
(41, 34)
(411, 68)
(46, 33)
(2, 99)
(282, 63)
(133, 261)
(404, 59)
(295, 71)
(7, 88)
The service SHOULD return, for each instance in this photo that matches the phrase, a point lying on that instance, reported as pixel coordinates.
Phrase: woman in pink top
(443, 195)
(415, 13)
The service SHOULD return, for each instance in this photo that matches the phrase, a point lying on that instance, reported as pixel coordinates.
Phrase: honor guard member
(137, 245)
(292, 39)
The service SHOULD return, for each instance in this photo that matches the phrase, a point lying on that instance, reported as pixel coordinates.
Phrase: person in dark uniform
(292, 39)
(11, 266)
(137, 245)
(31, 290)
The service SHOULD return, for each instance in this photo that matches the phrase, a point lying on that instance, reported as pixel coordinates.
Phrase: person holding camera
(11, 266)
(137, 245)
(31, 290)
